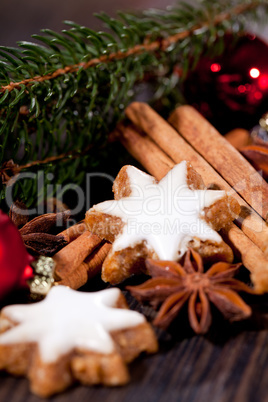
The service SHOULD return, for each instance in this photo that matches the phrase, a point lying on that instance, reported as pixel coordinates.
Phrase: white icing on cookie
(67, 319)
(167, 215)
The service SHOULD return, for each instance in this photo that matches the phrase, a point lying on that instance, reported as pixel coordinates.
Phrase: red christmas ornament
(231, 90)
(14, 260)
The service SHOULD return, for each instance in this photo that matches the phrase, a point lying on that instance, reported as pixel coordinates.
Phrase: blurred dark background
(20, 19)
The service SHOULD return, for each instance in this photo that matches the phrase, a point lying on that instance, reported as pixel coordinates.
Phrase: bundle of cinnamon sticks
(81, 259)
(158, 145)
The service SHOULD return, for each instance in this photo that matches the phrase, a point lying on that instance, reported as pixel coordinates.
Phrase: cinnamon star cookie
(72, 336)
(160, 220)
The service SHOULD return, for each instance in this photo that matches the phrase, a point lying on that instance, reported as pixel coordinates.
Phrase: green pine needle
(67, 91)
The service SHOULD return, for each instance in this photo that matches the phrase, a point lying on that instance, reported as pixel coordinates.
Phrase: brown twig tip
(160, 44)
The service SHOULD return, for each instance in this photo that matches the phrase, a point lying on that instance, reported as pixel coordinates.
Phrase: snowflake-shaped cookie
(160, 220)
(73, 335)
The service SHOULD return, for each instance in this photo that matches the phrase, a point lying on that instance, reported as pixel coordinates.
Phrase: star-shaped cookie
(72, 336)
(160, 220)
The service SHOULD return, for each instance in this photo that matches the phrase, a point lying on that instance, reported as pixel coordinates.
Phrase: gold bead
(43, 276)
(264, 121)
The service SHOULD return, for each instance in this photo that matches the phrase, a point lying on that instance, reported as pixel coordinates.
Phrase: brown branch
(15, 169)
(160, 44)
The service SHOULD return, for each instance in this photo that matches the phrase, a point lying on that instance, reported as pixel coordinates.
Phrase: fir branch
(62, 96)
(160, 44)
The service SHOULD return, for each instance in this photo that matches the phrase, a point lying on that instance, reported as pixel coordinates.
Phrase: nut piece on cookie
(72, 336)
(160, 220)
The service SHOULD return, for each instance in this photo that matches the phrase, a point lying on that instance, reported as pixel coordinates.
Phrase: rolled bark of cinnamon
(238, 138)
(225, 159)
(155, 161)
(73, 232)
(88, 268)
(70, 257)
(251, 256)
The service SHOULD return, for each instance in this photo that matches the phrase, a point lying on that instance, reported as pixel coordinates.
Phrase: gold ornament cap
(43, 278)
(264, 121)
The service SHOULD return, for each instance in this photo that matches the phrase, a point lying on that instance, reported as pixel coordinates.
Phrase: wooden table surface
(230, 363)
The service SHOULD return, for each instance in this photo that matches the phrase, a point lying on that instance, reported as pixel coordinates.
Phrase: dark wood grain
(229, 364)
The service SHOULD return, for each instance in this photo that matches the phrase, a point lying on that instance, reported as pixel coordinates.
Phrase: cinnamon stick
(238, 138)
(225, 159)
(251, 256)
(257, 155)
(88, 268)
(73, 232)
(155, 161)
(168, 139)
(71, 256)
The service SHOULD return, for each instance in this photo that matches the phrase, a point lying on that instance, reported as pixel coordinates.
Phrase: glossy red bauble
(231, 90)
(14, 259)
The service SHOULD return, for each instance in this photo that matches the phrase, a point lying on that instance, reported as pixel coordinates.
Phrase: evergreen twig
(160, 44)
(62, 96)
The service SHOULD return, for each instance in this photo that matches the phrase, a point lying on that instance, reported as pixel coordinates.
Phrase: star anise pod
(18, 213)
(257, 155)
(36, 233)
(173, 285)
(257, 151)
